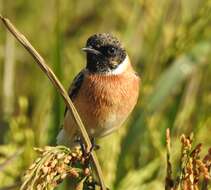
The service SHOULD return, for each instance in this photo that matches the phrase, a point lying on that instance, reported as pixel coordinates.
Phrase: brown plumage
(102, 97)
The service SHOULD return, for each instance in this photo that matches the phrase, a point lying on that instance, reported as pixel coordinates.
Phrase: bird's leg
(86, 154)
(94, 145)
(84, 150)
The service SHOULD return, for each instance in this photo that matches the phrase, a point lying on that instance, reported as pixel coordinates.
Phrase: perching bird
(104, 93)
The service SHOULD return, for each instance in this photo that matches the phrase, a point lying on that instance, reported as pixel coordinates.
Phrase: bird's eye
(111, 50)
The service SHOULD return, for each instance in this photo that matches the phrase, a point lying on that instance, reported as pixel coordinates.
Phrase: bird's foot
(94, 145)
(86, 153)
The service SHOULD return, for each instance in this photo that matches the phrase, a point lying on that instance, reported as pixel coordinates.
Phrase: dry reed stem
(169, 181)
(46, 69)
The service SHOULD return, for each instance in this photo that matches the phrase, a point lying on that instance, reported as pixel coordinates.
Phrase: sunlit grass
(169, 43)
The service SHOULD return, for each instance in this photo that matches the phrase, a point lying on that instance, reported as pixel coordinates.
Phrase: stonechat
(104, 92)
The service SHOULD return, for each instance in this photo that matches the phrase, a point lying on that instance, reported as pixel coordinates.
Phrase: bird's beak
(91, 50)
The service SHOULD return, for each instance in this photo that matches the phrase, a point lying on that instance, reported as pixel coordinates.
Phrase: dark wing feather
(75, 86)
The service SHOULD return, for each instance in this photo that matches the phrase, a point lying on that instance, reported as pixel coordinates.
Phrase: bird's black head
(104, 53)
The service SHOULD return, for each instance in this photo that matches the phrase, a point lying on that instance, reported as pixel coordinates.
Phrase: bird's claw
(86, 153)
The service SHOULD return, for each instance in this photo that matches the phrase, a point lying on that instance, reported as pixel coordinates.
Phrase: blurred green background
(169, 43)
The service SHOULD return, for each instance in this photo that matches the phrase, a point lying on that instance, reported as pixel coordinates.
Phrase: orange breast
(105, 101)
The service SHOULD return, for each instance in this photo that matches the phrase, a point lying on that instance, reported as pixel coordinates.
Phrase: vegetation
(169, 43)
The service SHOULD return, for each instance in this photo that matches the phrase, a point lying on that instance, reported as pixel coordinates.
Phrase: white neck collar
(120, 68)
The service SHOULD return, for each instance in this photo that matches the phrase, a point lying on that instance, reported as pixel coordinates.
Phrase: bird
(104, 93)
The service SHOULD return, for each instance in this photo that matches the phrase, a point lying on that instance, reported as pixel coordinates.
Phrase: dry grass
(57, 163)
(54, 164)
(194, 171)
